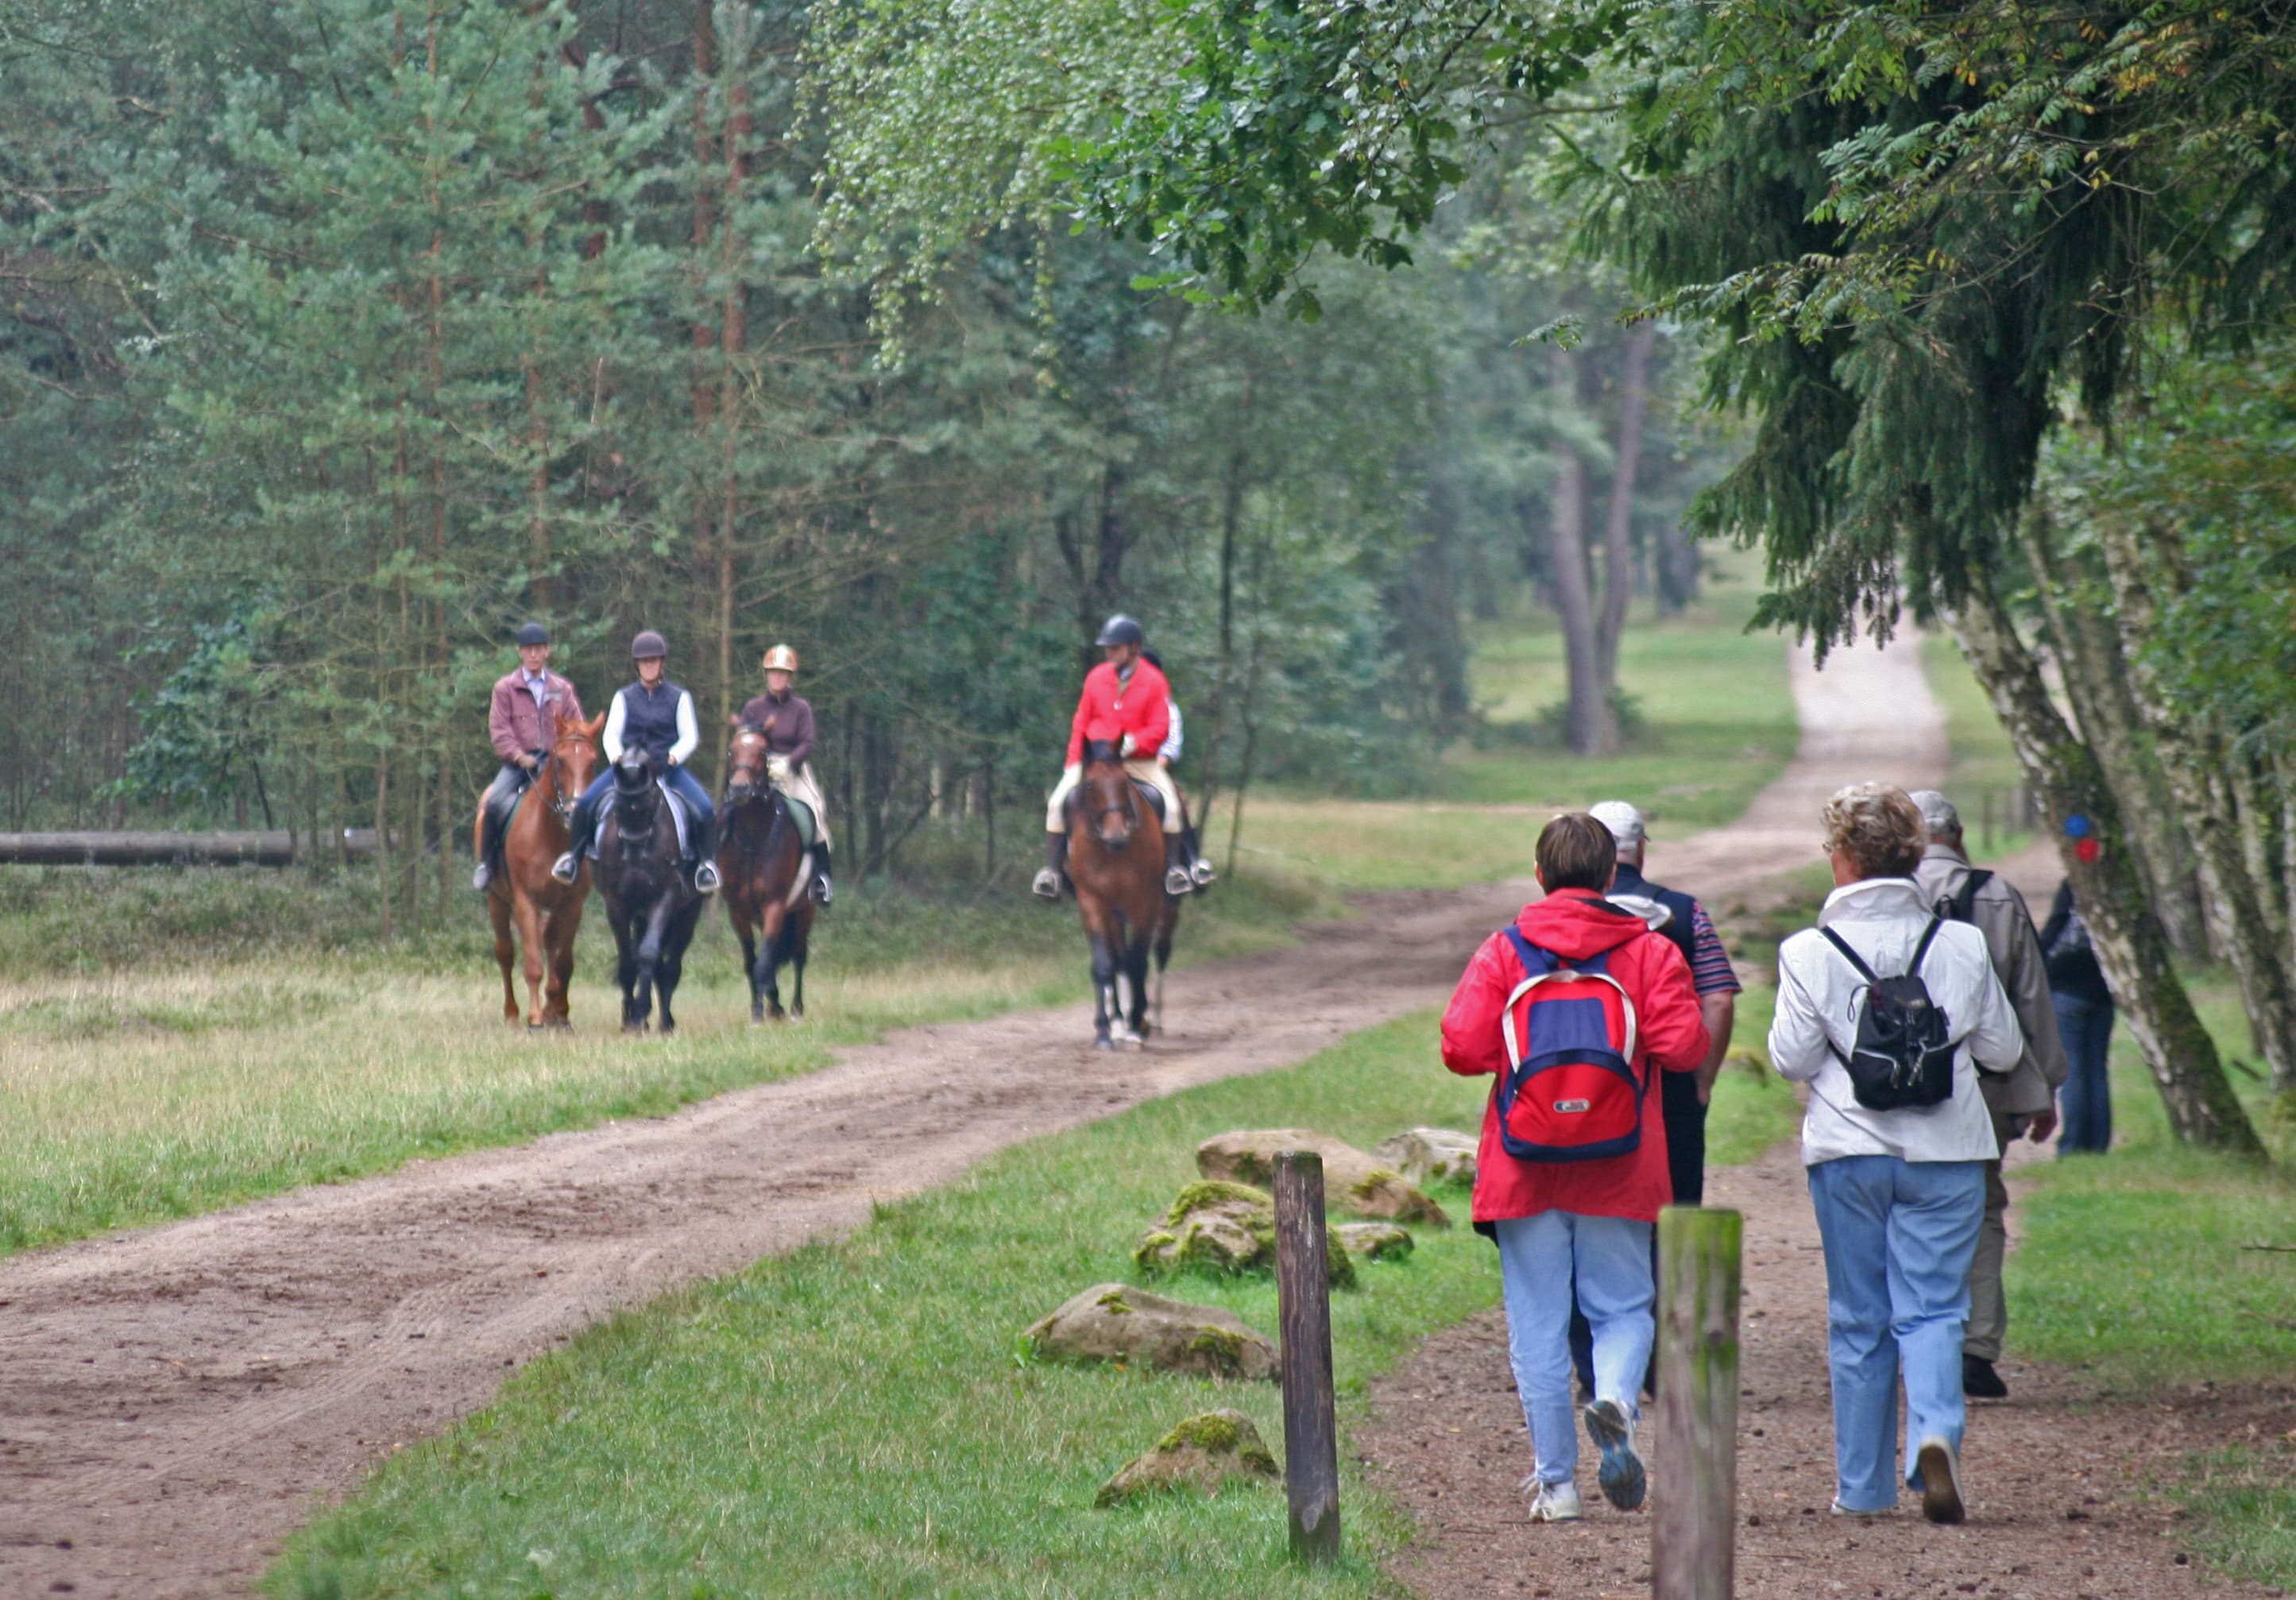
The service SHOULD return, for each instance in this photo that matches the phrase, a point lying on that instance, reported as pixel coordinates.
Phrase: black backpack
(1902, 1057)
(1960, 905)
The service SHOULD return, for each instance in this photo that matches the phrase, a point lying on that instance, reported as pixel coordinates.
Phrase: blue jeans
(1609, 1258)
(688, 788)
(2086, 1026)
(1898, 1238)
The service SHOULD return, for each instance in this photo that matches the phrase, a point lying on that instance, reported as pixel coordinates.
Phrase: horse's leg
(565, 925)
(650, 943)
(625, 967)
(534, 947)
(803, 925)
(746, 932)
(1103, 971)
(1164, 957)
(505, 951)
(1135, 961)
(680, 934)
(772, 922)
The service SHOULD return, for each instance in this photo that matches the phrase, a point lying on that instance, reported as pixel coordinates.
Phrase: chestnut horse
(1116, 860)
(547, 914)
(762, 857)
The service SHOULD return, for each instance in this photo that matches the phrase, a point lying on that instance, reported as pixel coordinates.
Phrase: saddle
(679, 819)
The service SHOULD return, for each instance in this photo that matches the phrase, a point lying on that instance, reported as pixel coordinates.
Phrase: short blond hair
(1879, 827)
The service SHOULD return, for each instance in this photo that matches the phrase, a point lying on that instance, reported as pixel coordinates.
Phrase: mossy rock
(1117, 1324)
(1225, 1230)
(1429, 1156)
(1207, 1453)
(1353, 1181)
(1375, 1241)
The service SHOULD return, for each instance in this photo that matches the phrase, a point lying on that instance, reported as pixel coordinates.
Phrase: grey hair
(1938, 814)
(1879, 827)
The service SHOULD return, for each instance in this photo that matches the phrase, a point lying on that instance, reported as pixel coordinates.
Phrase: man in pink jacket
(529, 708)
(1584, 1220)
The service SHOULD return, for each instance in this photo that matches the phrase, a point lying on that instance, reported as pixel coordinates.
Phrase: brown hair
(1575, 851)
(1879, 827)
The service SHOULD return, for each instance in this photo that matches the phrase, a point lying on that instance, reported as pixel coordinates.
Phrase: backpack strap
(1961, 906)
(1921, 950)
(1852, 957)
(1538, 967)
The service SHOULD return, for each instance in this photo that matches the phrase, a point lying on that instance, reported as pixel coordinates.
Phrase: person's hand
(777, 766)
(2042, 1126)
(529, 762)
(1165, 762)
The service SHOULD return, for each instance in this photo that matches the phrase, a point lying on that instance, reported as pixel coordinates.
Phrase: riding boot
(820, 889)
(705, 851)
(1047, 883)
(1176, 881)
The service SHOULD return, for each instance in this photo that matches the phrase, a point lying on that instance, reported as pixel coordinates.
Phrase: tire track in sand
(176, 1399)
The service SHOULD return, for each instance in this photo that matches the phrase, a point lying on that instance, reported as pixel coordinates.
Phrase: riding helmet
(533, 633)
(781, 657)
(1120, 629)
(648, 643)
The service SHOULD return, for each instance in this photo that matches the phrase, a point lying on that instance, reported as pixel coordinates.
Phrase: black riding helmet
(1120, 629)
(648, 643)
(533, 633)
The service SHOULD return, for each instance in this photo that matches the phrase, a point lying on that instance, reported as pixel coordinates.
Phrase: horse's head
(635, 791)
(1107, 793)
(745, 777)
(573, 762)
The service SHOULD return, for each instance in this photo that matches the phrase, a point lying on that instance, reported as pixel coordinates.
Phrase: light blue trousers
(1898, 1238)
(1609, 1258)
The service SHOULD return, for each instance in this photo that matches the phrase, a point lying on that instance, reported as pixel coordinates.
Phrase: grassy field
(2132, 1269)
(1715, 720)
(857, 1419)
(135, 1095)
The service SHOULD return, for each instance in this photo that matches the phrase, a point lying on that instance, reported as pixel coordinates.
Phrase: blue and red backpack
(1570, 1092)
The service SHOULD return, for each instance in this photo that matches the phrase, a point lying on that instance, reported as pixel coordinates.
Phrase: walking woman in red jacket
(1581, 1204)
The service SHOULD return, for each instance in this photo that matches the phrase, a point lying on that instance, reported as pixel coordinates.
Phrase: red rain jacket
(1108, 709)
(1670, 1037)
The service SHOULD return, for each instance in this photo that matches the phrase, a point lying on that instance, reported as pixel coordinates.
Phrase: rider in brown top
(785, 718)
(529, 706)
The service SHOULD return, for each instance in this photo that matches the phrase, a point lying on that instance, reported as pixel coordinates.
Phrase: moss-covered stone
(1117, 1324)
(1224, 1230)
(1211, 1192)
(1207, 1453)
(1375, 1241)
(1352, 1180)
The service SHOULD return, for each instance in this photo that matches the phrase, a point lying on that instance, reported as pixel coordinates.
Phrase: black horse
(650, 902)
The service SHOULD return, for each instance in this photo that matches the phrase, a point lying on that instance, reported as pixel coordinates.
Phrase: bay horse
(1116, 860)
(651, 904)
(762, 857)
(546, 914)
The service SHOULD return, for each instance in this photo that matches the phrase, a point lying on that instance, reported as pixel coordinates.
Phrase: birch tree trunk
(2067, 780)
(2194, 755)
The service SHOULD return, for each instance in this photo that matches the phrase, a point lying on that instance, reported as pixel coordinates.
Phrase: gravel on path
(178, 1398)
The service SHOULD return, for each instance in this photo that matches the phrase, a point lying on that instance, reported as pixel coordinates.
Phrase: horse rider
(655, 715)
(785, 718)
(529, 706)
(1168, 753)
(1126, 701)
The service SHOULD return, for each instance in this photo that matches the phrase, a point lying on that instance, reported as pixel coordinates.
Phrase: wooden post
(1303, 1285)
(1695, 1499)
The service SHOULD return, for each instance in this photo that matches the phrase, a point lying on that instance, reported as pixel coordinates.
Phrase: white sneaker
(1554, 1502)
(1940, 1472)
(1840, 1510)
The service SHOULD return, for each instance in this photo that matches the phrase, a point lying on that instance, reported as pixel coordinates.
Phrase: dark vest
(1677, 931)
(650, 719)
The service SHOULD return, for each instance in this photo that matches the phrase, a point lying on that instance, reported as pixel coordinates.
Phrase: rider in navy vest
(655, 715)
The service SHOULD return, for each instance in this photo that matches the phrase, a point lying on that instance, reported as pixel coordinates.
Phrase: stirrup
(1046, 884)
(481, 878)
(1203, 873)
(705, 877)
(567, 867)
(819, 889)
(1177, 882)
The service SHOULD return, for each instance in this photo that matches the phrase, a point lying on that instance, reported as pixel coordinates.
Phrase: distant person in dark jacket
(2084, 1007)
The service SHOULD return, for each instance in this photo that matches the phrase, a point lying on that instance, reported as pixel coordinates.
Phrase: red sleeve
(500, 728)
(1083, 716)
(1154, 713)
(1673, 1037)
(1472, 1044)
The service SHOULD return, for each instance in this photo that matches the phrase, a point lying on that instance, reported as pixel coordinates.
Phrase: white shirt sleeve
(1170, 748)
(689, 732)
(612, 737)
(1799, 1045)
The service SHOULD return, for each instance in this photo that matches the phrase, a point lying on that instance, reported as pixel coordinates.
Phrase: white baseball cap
(1625, 824)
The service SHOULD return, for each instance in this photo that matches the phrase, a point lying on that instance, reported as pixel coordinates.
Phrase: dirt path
(176, 1399)
(2057, 1482)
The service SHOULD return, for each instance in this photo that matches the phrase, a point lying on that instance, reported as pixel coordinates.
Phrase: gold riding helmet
(781, 657)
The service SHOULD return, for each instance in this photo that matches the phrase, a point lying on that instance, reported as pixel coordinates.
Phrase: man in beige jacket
(2023, 1102)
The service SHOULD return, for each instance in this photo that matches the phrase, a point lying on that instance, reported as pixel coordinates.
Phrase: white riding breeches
(1150, 773)
(799, 786)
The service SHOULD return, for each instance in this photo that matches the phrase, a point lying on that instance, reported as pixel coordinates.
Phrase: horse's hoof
(534, 1027)
(1102, 1043)
(634, 1028)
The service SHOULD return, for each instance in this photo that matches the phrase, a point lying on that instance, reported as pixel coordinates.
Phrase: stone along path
(176, 1399)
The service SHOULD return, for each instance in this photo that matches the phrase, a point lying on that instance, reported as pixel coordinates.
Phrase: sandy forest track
(176, 1400)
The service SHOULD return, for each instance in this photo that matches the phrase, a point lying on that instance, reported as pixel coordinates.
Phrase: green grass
(2131, 1271)
(140, 1094)
(855, 1418)
(1716, 723)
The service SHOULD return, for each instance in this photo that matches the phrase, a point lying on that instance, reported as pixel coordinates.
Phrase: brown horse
(762, 857)
(1116, 860)
(548, 914)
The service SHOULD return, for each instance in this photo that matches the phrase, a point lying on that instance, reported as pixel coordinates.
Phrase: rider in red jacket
(1587, 1221)
(1128, 702)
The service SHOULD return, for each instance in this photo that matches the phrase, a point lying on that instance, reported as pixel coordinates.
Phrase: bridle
(1098, 813)
(745, 783)
(561, 802)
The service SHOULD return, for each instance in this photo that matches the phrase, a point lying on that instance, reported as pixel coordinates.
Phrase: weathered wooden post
(1696, 1498)
(1303, 1287)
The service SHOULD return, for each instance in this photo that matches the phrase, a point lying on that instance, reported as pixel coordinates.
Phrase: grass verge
(855, 1418)
(2132, 1270)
